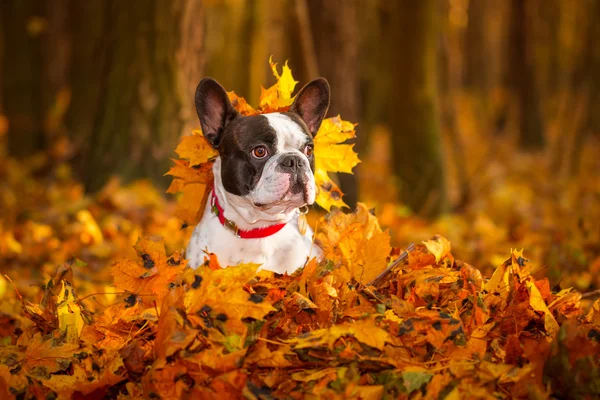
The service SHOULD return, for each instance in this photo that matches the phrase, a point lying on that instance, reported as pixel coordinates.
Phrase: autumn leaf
(220, 295)
(280, 94)
(329, 194)
(355, 242)
(192, 175)
(538, 304)
(172, 335)
(86, 381)
(195, 149)
(438, 246)
(263, 356)
(240, 104)
(70, 320)
(192, 203)
(152, 273)
(188, 174)
(363, 330)
(332, 156)
(46, 356)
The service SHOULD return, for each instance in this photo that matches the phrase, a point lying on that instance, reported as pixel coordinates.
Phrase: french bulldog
(263, 180)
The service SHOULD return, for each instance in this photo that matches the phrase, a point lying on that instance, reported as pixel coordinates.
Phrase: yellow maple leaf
(47, 354)
(332, 132)
(195, 149)
(438, 246)
(199, 174)
(329, 193)
(332, 156)
(192, 203)
(192, 176)
(365, 331)
(153, 273)
(538, 304)
(265, 357)
(85, 380)
(355, 242)
(280, 94)
(340, 158)
(70, 321)
(501, 283)
(593, 316)
(220, 293)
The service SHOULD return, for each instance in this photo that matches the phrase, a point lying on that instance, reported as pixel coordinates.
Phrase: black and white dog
(263, 180)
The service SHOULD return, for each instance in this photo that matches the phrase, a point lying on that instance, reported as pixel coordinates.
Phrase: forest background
(477, 119)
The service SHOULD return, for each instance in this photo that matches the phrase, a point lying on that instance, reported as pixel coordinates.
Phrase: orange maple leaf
(152, 273)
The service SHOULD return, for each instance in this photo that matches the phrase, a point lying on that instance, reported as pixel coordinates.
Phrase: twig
(593, 293)
(15, 287)
(115, 293)
(402, 257)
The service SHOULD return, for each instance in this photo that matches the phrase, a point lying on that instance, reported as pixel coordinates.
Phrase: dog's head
(267, 159)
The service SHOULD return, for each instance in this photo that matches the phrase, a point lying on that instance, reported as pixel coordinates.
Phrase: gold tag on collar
(302, 224)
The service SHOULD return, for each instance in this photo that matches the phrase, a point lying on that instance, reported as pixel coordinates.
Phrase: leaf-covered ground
(130, 321)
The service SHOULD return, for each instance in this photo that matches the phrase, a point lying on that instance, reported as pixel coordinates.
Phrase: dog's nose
(291, 162)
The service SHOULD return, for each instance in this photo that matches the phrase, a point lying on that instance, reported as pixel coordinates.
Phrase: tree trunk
(447, 83)
(23, 24)
(522, 78)
(336, 38)
(229, 29)
(476, 55)
(585, 82)
(135, 65)
(413, 110)
(270, 37)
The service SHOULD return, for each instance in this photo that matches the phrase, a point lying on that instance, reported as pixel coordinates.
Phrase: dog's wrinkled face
(267, 159)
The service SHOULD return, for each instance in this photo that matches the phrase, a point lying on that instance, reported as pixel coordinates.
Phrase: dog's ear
(214, 109)
(311, 103)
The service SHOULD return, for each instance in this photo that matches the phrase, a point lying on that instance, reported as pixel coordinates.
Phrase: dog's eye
(308, 150)
(260, 152)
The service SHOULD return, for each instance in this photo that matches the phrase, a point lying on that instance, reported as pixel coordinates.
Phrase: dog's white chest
(284, 251)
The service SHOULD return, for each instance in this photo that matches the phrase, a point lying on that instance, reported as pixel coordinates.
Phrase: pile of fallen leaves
(366, 320)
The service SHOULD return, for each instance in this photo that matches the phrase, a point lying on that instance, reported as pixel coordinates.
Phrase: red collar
(257, 233)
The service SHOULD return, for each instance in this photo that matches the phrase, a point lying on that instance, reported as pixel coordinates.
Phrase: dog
(263, 180)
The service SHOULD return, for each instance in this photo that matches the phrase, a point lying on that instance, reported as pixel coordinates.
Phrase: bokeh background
(479, 120)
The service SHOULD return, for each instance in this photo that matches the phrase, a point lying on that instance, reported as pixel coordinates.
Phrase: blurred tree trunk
(477, 57)
(447, 83)
(269, 37)
(413, 109)
(593, 123)
(135, 66)
(22, 26)
(586, 84)
(522, 79)
(375, 71)
(229, 38)
(336, 37)
(551, 14)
